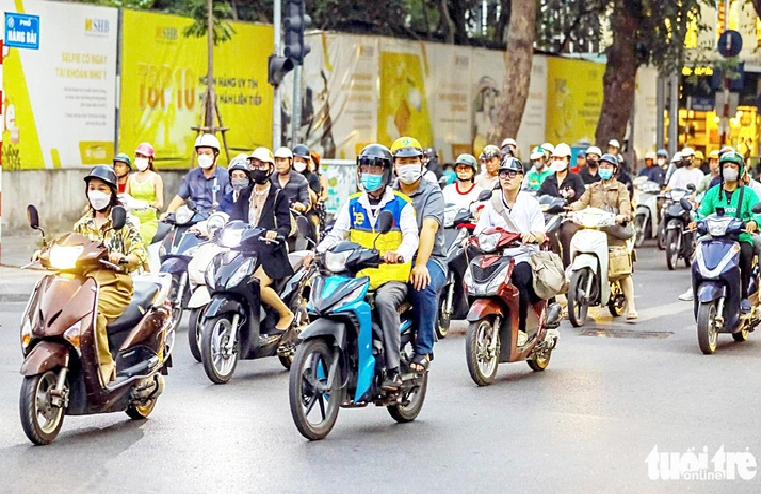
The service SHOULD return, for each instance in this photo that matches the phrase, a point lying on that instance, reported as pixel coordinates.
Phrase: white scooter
(595, 271)
(646, 210)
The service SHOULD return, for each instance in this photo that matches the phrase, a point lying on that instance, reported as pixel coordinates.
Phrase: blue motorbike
(716, 281)
(340, 359)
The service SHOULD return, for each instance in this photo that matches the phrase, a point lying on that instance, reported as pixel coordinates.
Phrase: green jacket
(534, 179)
(711, 201)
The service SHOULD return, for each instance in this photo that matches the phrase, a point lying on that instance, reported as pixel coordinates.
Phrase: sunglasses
(462, 168)
(508, 173)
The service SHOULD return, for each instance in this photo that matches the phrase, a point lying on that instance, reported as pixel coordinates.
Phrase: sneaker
(687, 296)
(393, 382)
(522, 338)
(745, 306)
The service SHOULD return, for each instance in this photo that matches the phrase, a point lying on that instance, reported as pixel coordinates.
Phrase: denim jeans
(426, 307)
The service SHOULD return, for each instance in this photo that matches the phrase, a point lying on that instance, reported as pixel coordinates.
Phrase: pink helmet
(146, 150)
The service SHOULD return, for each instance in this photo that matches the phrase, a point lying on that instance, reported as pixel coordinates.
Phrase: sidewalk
(15, 284)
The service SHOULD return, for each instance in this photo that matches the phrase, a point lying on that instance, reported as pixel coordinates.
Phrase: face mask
(661, 161)
(592, 163)
(260, 176)
(141, 164)
(98, 200)
(205, 162)
(605, 174)
(730, 174)
(409, 174)
(559, 166)
(239, 183)
(538, 165)
(370, 182)
(299, 166)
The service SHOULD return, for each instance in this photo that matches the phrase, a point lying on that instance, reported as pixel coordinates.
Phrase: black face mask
(592, 164)
(260, 176)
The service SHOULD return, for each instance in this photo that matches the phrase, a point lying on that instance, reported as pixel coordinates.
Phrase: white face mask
(409, 174)
(141, 164)
(730, 174)
(98, 200)
(559, 166)
(299, 166)
(205, 161)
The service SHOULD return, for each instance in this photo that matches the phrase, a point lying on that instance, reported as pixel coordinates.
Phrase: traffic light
(278, 67)
(295, 24)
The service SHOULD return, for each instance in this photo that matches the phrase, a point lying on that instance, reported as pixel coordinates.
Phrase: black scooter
(236, 326)
(679, 242)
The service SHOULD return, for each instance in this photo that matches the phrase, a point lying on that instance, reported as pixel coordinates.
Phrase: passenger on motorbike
(713, 165)
(240, 180)
(205, 185)
(293, 183)
(686, 175)
(488, 178)
(122, 168)
(589, 174)
(516, 211)
(652, 171)
(539, 171)
(463, 192)
(357, 220)
(609, 194)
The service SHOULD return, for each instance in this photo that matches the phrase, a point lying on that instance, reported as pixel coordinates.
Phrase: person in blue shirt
(652, 171)
(205, 185)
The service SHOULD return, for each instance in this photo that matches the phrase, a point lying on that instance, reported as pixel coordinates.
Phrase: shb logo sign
(699, 465)
(99, 26)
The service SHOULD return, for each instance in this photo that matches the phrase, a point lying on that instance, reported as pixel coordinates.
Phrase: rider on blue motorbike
(358, 220)
(736, 200)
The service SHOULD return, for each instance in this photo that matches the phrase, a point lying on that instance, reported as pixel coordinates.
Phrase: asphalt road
(587, 424)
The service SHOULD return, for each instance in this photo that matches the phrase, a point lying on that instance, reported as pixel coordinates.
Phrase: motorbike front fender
(580, 262)
(675, 224)
(45, 356)
(484, 307)
(708, 292)
(321, 328)
(222, 305)
(200, 298)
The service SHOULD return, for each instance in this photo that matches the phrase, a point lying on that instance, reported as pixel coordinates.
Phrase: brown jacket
(599, 195)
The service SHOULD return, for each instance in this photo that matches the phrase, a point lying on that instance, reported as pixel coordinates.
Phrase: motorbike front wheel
(175, 299)
(673, 246)
(578, 299)
(662, 235)
(194, 332)
(707, 333)
(640, 229)
(483, 363)
(40, 419)
(218, 362)
(310, 392)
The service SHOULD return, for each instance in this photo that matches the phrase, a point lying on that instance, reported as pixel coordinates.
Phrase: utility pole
(276, 113)
(660, 138)
(727, 81)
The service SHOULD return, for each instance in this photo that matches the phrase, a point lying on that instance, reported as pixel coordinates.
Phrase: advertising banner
(449, 93)
(646, 111)
(164, 80)
(574, 99)
(59, 85)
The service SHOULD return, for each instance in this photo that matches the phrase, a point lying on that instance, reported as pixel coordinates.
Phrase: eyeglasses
(257, 165)
(462, 168)
(508, 173)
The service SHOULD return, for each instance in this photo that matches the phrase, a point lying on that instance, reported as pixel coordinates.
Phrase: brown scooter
(60, 369)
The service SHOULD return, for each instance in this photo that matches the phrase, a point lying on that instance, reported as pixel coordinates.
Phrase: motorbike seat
(141, 301)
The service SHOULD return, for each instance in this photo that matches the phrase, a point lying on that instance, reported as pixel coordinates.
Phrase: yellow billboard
(574, 99)
(163, 80)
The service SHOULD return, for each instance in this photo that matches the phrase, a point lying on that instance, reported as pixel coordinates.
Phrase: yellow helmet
(406, 147)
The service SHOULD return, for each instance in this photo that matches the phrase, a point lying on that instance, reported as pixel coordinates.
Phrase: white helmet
(509, 142)
(650, 155)
(264, 155)
(562, 150)
(687, 152)
(594, 150)
(537, 154)
(283, 153)
(548, 147)
(677, 157)
(208, 141)
(614, 143)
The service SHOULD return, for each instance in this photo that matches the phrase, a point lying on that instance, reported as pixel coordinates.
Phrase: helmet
(240, 162)
(677, 157)
(406, 147)
(509, 142)
(301, 150)
(283, 153)
(662, 153)
(467, 159)
(609, 158)
(733, 157)
(430, 153)
(104, 173)
(713, 154)
(123, 158)
(594, 150)
(562, 150)
(614, 143)
(147, 150)
(510, 163)
(699, 155)
(491, 151)
(377, 154)
(688, 153)
(582, 153)
(650, 155)
(537, 153)
(208, 141)
(548, 147)
(264, 155)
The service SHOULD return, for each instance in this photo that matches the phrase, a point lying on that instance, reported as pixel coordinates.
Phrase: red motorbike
(493, 336)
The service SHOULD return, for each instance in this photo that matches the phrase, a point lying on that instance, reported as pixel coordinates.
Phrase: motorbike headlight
(335, 261)
(210, 275)
(488, 242)
(717, 228)
(214, 223)
(231, 238)
(183, 215)
(245, 269)
(64, 257)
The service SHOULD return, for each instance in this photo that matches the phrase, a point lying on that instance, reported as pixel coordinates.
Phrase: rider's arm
(538, 227)
(175, 204)
(303, 196)
(583, 201)
(410, 238)
(182, 194)
(133, 246)
(624, 203)
(339, 230)
(159, 191)
(433, 216)
(544, 190)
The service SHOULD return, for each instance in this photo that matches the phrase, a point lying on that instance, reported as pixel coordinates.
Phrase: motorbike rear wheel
(662, 235)
(194, 332)
(214, 337)
(412, 400)
(673, 247)
(707, 334)
(740, 336)
(176, 302)
(578, 301)
(444, 320)
(640, 229)
(40, 420)
(308, 385)
(482, 363)
(617, 304)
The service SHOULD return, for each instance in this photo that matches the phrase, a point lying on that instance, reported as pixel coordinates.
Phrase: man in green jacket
(728, 195)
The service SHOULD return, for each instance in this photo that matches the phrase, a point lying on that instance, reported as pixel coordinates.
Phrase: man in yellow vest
(358, 220)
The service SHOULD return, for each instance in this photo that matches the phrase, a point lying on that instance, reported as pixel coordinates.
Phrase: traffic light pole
(727, 81)
(296, 112)
(276, 113)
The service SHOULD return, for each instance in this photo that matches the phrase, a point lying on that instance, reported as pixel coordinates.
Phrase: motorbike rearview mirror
(385, 222)
(685, 203)
(485, 195)
(756, 209)
(191, 204)
(118, 217)
(33, 216)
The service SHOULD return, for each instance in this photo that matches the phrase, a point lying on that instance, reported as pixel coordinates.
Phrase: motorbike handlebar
(110, 265)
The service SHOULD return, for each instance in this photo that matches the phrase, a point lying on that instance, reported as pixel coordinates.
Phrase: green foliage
(221, 11)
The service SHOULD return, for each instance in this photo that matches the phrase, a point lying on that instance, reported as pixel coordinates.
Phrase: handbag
(294, 229)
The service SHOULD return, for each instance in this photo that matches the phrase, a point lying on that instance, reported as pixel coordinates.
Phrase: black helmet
(301, 151)
(430, 153)
(510, 163)
(377, 154)
(609, 158)
(104, 173)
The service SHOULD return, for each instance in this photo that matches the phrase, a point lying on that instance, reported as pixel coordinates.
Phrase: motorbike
(679, 241)
(58, 342)
(340, 358)
(492, 336)
(589, 278)
(235, 325)
(716, 281)
(646, 210)
(176, 252)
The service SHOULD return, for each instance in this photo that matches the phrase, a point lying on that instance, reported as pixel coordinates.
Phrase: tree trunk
(620, 76)
(447, 26)
(757, 6)
(504, 18)
(518, 58)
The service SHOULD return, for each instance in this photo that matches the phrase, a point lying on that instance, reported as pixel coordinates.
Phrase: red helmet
(146, 150)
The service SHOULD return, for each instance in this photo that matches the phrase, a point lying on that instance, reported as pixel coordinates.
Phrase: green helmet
(124, 158)
(467, 159)
(733, 157)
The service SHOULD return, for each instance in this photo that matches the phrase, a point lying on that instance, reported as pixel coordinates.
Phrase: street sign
(22, 31)
(735, 46)
(737, 84)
